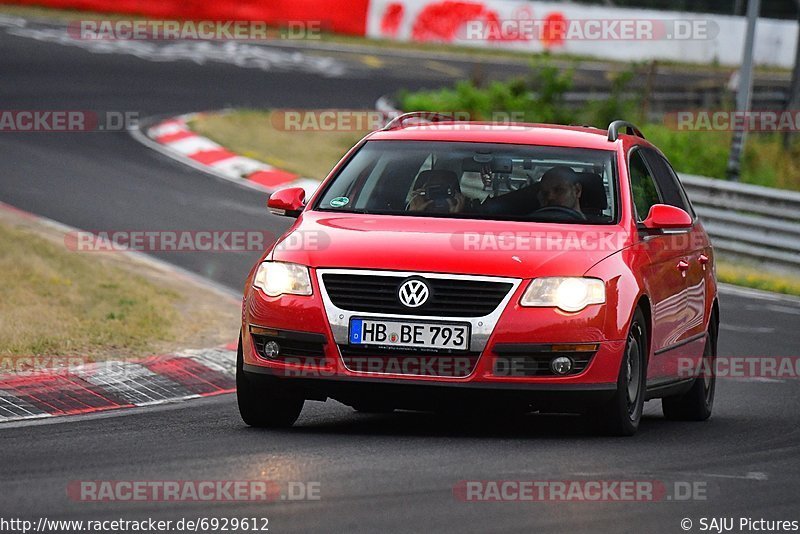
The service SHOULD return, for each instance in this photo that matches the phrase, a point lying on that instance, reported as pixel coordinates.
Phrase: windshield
(476, 180)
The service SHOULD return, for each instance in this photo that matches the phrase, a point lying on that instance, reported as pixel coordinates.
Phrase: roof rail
(630, 129)
(421, 116)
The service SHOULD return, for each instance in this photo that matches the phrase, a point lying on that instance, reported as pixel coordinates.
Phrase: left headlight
(277, 278)
(570, 294)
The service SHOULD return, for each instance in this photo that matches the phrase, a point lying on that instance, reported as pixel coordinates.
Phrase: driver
(560, 187)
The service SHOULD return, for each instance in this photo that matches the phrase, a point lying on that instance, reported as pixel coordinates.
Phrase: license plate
(451, 336)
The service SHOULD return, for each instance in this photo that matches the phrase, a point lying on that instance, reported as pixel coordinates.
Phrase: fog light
(561, 365)
(272, 349)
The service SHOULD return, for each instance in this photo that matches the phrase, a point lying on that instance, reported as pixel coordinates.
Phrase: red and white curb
(173, 137)
(113, 385)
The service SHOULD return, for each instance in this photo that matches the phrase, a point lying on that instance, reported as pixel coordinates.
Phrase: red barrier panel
(349, 17)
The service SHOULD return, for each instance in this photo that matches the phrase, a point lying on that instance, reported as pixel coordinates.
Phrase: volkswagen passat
(475, 267)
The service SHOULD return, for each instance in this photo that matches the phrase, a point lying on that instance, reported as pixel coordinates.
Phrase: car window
(672, 191)
(476, 180)
(643, 186)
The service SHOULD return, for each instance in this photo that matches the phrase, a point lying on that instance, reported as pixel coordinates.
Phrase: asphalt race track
(391, 473)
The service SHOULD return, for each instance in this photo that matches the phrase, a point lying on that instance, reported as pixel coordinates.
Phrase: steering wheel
(557, 212)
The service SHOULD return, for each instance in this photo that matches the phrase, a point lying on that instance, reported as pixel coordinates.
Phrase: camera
(438, 192)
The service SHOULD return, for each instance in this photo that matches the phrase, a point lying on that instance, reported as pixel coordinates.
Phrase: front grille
(448, 297)
(301, 351)
(536, 363)
(426, 362)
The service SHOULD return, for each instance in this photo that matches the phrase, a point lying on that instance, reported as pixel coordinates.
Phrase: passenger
(440, 194)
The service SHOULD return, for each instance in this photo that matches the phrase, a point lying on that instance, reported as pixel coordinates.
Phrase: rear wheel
(263, 406)
(697, 403)
(623, 412)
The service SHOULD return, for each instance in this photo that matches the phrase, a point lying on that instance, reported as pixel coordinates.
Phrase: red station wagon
(485, 268)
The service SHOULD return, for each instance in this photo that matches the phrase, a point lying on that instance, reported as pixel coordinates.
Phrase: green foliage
(549, 85)
(541, 97)
(602, 112)
(703, 153)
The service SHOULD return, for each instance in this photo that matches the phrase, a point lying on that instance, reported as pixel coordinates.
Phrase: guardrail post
(743, 95)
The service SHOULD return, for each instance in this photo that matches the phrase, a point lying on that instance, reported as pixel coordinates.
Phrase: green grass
(59, 302)
(750, 276)
(764, 162)
(55, 302)
(252, 133)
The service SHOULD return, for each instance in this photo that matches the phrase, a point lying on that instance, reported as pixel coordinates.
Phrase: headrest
(593, 195)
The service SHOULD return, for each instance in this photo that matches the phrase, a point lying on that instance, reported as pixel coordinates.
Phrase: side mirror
(288, 202)
(665, 217)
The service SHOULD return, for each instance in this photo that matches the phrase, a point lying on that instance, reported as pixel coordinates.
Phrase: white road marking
(167, 128)
(132, 382)
(239, 166)
(762, 379)
(12, 407)
(747, 329)
(234, 53)
(13, 22)
(728, 289)
(191, 145)
(752, 475)
(783, 309)
(221, 360)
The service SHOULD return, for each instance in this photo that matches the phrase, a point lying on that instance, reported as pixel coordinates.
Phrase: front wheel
(623, 412)
(262, 406)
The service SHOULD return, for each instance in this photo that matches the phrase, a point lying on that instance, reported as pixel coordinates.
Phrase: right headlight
(571, 294)
(277, 278)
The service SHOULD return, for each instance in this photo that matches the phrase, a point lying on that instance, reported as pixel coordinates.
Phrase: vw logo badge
(413, 293)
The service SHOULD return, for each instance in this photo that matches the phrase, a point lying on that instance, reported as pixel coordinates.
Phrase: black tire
(259, 405)
(622, 414)
(697, 403)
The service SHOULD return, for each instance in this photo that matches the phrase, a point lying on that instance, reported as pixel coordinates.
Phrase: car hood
(458, 246)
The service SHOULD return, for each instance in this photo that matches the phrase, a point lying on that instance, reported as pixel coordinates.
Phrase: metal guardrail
(713, 98)
(748, 221)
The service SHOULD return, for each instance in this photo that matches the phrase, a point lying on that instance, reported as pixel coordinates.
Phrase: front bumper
(514, 326)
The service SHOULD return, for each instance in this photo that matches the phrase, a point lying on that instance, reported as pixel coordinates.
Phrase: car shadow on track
(425, 424)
